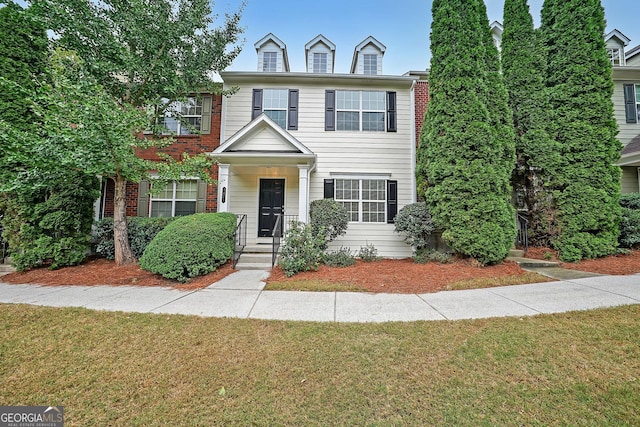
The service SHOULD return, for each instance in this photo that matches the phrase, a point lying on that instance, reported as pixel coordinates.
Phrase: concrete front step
(6, 269)
(255, 257)
(519, 253)
(532, 263)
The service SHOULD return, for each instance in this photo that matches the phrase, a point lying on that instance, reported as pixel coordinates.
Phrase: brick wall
(191, 144)
(421, 96)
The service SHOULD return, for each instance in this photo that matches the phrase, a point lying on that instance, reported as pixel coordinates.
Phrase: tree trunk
(123, 253)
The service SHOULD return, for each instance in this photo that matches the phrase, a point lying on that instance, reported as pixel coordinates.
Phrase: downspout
(413, 143)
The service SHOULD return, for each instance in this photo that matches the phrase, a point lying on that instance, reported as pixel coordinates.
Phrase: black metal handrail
(277, 236)
(522, 239)
(3, 243)
(239, 238)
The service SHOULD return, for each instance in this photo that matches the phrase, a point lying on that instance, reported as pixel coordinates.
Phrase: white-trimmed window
(360, 110)
(270, 62)
(364, 199)
(370, 62)
(615, 55)
(184, 118)
(319, 62)
(178, 198)
(275, 103)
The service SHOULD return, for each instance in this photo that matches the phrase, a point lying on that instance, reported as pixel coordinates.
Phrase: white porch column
(223, 188)
(303, 191)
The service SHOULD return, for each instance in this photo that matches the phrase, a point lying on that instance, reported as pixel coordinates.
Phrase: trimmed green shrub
(141, 232)
(629, 228)
(302, 250)
(415, 224)
(328, 218)
(424, 255)
(368, 253)
(630, 200)
(342, 257)
(191, 246)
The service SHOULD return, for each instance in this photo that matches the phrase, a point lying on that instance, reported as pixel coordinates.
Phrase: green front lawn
(122, 369)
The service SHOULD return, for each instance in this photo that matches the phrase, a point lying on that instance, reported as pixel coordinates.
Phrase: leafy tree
(581, 121)
(466, 152)
(537, 154)
(138, 56)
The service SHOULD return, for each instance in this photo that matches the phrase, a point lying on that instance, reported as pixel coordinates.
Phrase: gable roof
(249, 143)
(320, 39)
(369, 40)
(272, 38)
(632, 52)
(618, 35)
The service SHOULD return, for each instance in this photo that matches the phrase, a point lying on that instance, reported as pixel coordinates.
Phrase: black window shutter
(391, 112)
(293, 110)
(392, 200)
(256, 105)
(630, 103)
(330, 110)
(328, 189)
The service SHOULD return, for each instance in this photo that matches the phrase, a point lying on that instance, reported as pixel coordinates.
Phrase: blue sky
(402, 25)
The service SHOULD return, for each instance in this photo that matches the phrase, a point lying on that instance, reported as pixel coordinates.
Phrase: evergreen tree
(537, 154)
(581, 121)
(466, 151)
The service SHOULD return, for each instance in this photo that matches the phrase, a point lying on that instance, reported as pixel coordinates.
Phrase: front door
(271, 204)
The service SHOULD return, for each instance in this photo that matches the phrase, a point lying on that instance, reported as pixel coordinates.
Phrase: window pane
(166, 193)
(638, 93)
(186, 190)
(352, 210)
(275, 98)
(190, 125)
(370, 64)
(160, 209)
(373, 122)
(373, 101)
(319, 62)
(185, 208)
(373, 211)
(269, 60)
(348, 99)
(278, 116)
(192, 107)
(170, 124)
(347, 189)
(373, 189)
(348, 120)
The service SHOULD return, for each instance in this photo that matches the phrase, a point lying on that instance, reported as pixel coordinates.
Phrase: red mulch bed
(615, 264)
(402, 275)
(392, 276)
(105, 272)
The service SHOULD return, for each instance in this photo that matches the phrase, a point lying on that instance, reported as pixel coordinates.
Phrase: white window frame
(174, 199)
(268, 99)
(361, 110)
(370, 64)
(269, 62)
(185, 116)
(615, 55)
(362, 215)
(320, 62)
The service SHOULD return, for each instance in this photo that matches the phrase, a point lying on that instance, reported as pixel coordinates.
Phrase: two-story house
(626, 102)
(291, 137)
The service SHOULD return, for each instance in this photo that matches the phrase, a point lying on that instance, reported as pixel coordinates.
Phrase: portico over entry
(264, 171)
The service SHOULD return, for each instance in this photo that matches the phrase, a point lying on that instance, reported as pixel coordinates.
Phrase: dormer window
(270, 62)
(319, 62)
(614, 56)
(370, 64)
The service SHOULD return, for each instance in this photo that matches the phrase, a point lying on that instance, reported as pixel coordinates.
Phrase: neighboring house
(198, 133)
(289, 138)
(626, 102)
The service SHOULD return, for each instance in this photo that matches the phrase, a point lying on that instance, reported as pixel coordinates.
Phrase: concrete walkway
(241, 295)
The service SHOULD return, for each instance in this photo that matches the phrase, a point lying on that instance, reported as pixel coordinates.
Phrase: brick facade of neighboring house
(421, 99)
(191, 144)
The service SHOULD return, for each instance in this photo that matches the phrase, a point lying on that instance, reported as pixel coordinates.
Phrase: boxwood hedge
(191, 246)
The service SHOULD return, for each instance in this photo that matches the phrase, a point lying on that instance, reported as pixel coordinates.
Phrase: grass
(490, 282)
(122, 369)
(314, 285)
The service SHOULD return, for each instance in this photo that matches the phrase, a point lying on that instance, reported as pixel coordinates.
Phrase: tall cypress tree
(537, 154)
(581, 121)
(466, 151)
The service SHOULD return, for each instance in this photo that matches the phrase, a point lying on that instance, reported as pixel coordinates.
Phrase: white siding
(264, 140)
(389, 154)
(627, 131)
(634, 61)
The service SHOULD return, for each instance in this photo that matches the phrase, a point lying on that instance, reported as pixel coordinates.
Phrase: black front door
(271, 204)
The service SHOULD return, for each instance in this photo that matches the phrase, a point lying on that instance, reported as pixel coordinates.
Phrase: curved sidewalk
(241, 295)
